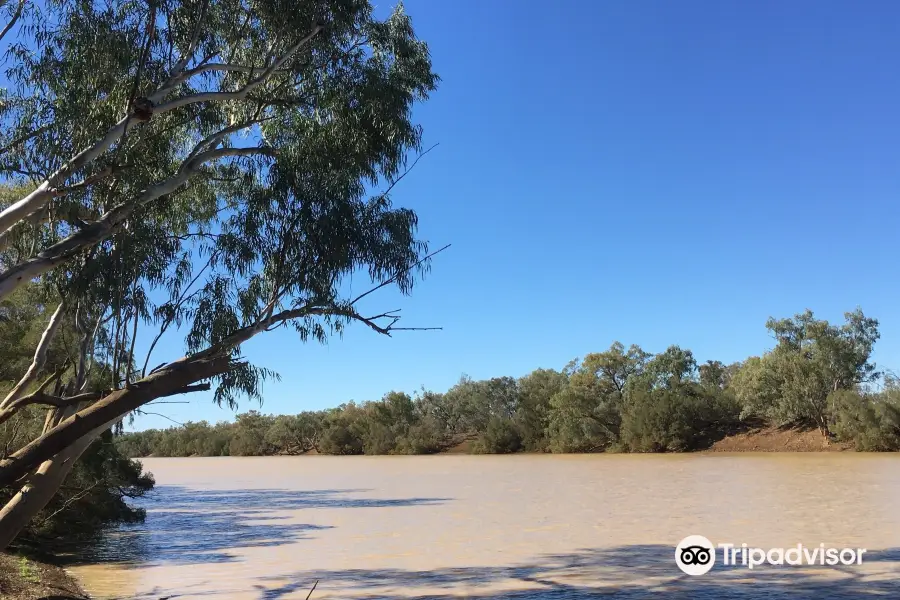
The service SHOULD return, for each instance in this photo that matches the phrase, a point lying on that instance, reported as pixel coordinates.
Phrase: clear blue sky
(650, 172)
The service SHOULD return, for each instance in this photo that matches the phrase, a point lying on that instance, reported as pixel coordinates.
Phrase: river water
(509, 527)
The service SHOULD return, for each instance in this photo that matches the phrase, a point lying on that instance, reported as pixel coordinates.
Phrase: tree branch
(39, 198)
(213, 140)
(13, 20)
(57, 192)
(177, 70)
(101, 229)
(397, 275)
(176, 378)
(237, 95)
(24, 138)
(224, 67)
(40, 358)
(156, 414)
(181, 299)
(46, 399)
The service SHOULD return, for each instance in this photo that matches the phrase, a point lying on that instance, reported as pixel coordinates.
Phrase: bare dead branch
(46, 399)
(71, 500)
(156, 414)
(406, 172)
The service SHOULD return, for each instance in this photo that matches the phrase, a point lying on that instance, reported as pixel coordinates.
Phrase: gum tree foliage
(812, 359)
(201, 166)
(870, 420)
(533, 414)
(94, 493)
(586, 415)
(668, 369)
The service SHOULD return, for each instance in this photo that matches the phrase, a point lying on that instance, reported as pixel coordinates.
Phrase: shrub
(501, 436)
(685, 417)
(871, 421)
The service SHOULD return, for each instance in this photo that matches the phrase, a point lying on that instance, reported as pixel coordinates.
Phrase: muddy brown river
(506, 527)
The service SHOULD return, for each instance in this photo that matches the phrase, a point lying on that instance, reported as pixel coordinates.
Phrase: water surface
(509, 527)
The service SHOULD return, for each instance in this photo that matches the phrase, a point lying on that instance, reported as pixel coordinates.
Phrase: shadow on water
(624, 573)
(621, 573)
(185, 526)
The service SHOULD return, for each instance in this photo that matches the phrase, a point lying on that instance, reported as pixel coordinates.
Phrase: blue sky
(651, 172)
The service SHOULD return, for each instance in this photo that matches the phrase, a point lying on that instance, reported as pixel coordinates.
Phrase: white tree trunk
(39, 490)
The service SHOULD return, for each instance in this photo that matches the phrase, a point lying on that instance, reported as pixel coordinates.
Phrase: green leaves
(242, 181)
(791, 384)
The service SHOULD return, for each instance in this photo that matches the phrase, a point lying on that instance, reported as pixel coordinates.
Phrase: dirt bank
(775, 439)
(27, 579)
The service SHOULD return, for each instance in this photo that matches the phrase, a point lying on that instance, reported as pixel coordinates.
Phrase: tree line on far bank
(818, 375)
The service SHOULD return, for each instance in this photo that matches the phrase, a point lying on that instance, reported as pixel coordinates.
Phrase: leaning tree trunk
(39, 490)
(54, 453)
(176, 378)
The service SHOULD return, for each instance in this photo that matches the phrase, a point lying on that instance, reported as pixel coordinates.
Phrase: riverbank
(777, 439)
(762, 438)
(26, 579)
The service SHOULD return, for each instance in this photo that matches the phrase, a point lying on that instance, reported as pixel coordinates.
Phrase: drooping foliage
(212, 167)
(96, 493)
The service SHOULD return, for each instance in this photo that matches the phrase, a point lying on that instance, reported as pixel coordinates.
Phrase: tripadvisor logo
(696, 555)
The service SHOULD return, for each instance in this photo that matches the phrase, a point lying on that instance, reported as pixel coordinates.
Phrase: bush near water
(818, 375)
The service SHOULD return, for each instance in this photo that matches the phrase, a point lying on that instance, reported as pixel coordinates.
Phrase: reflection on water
(511, 527)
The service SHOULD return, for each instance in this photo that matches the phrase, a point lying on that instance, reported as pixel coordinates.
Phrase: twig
(312, 590)
(182, 298)
(394, 278)
(144, 412)
(406, 172)
(74, 498)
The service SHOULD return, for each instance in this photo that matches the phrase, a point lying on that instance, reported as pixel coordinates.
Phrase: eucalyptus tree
(200, 166)
(812, 360)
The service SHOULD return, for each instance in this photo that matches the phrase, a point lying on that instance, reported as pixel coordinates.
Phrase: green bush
(378, 439)
(424, 437)
(684, 417)
(583, 420)
(501, 436)
(871, 421)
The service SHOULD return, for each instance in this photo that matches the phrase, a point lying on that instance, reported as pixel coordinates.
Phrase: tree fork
(174, 379)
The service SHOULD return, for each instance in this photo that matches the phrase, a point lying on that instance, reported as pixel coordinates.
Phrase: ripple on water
(458, 526)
